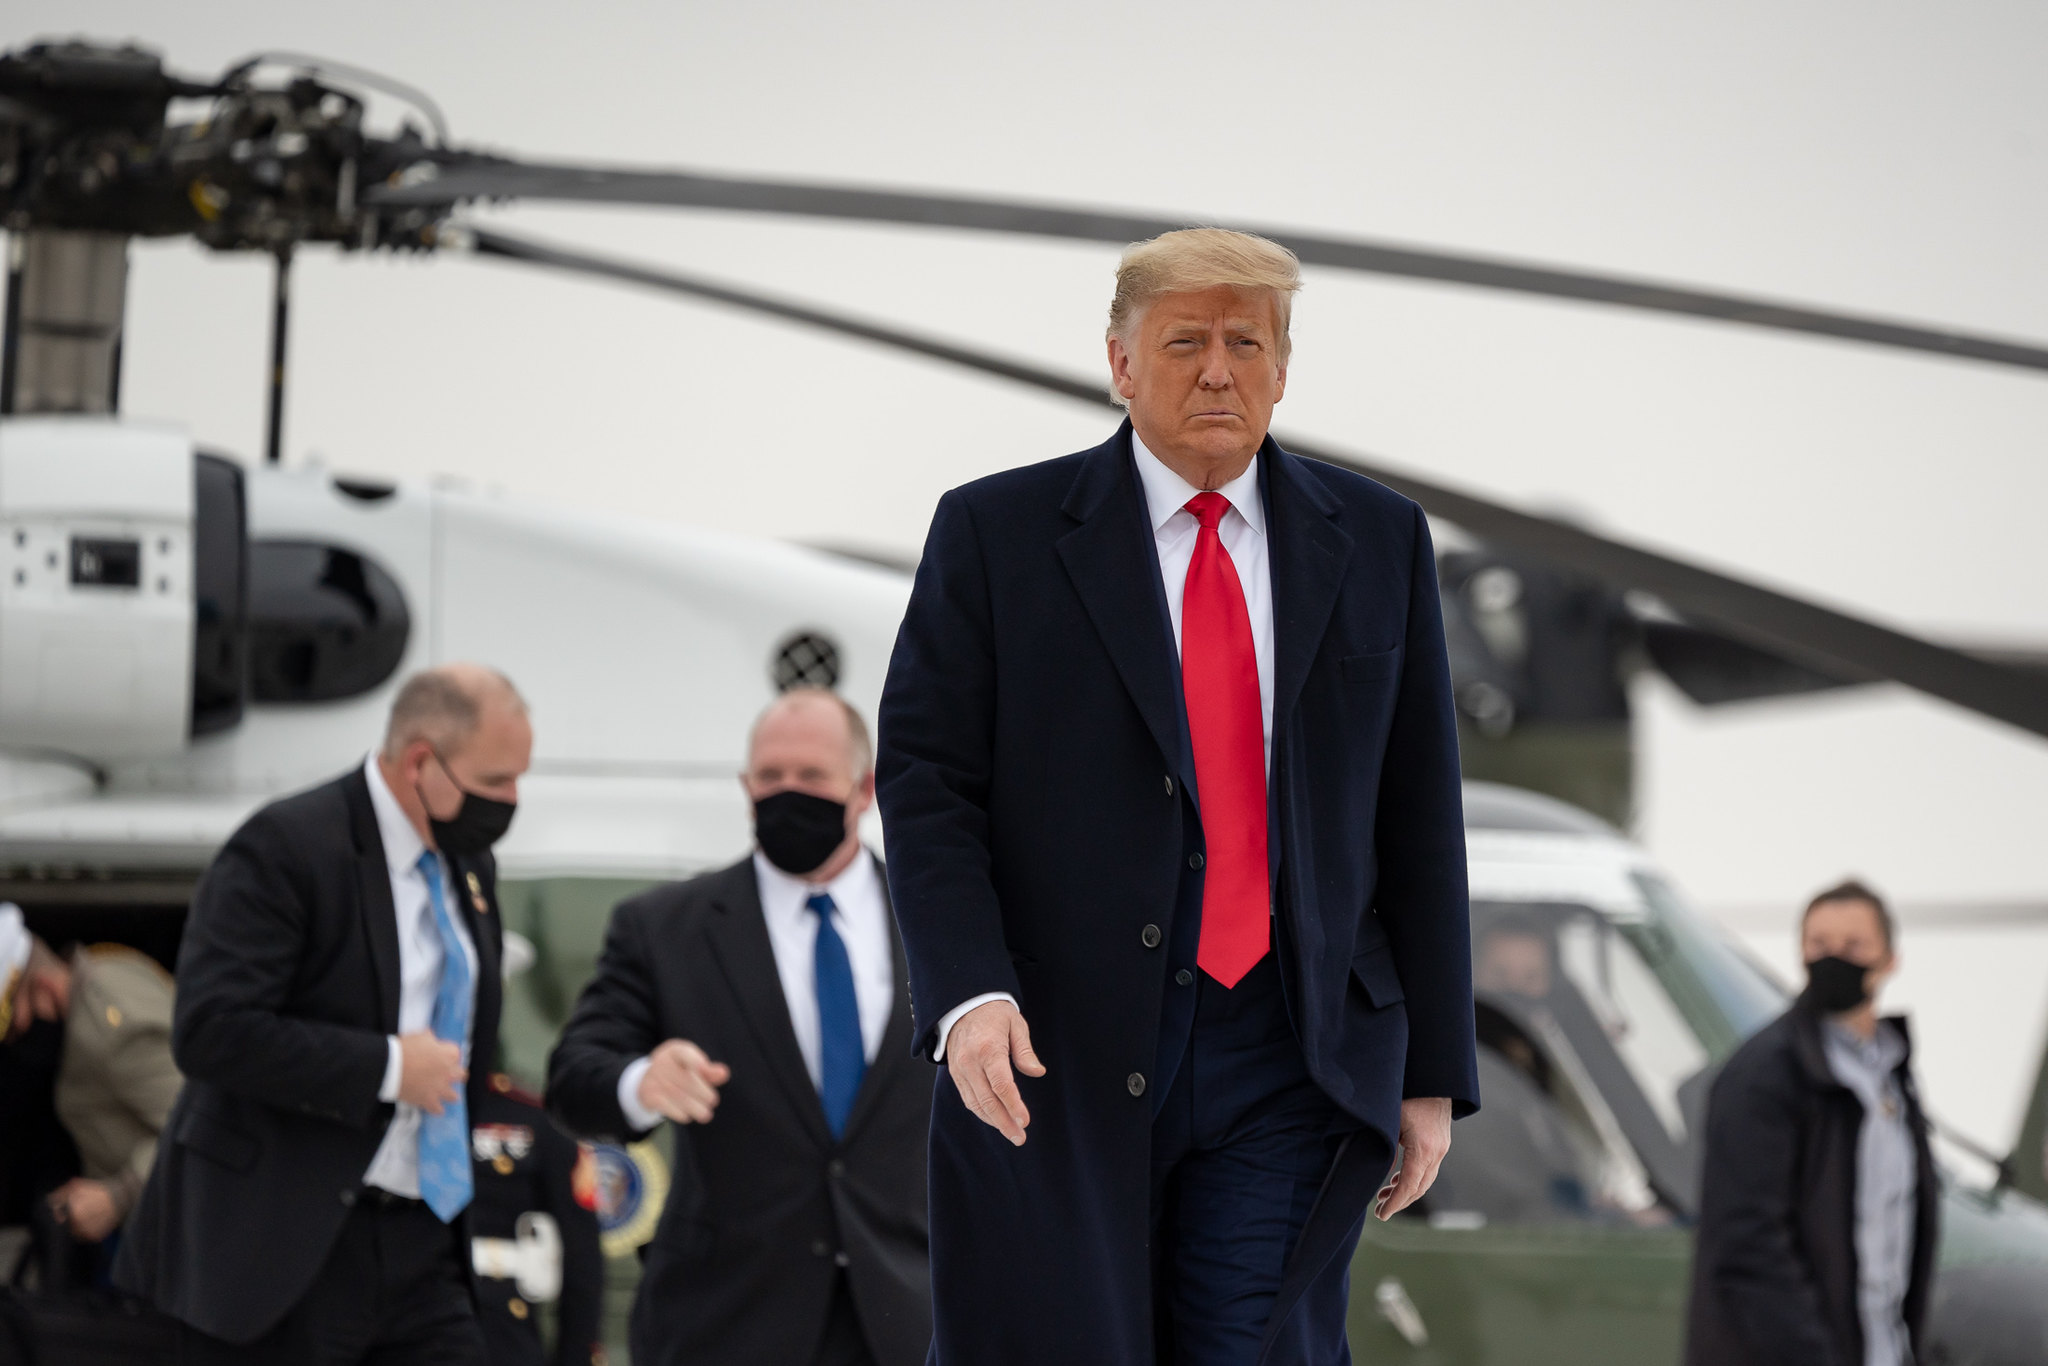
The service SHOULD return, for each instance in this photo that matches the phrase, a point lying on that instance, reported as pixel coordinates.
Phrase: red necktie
(1220, 675)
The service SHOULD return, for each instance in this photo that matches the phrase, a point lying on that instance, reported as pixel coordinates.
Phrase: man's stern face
(1202, 375)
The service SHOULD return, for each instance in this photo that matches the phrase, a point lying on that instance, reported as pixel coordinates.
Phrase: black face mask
(797, 831)
(478, 823)
(1834, 985)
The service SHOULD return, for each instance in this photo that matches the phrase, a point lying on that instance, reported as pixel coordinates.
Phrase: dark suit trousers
(391, 1293)
(1240, 1147)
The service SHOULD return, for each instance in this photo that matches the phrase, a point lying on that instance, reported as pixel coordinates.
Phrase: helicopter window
(1598, 1038)
(324, 623)
(1646, 1029)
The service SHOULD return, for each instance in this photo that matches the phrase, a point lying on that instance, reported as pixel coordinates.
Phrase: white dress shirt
(861, 916)
(1174, 532)
(396, 1167)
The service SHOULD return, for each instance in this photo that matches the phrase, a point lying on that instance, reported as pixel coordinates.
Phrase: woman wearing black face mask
(1818, 1199)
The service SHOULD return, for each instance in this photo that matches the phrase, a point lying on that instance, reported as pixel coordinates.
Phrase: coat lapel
(894, 1054)
(373, 878)
(1115, 569)
(1308, 554)
(739, 940)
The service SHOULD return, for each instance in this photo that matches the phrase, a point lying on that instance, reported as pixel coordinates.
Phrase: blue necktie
(842, 1060)
(445, 1179)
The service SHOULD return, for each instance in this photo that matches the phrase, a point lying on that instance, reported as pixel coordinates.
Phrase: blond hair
(1195, 259)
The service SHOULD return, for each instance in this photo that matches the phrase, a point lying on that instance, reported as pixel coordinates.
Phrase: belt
(376, 1197)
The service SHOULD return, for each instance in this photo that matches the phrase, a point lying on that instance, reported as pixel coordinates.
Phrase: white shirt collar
(1167, 493)
(780, 888)
(402, 844)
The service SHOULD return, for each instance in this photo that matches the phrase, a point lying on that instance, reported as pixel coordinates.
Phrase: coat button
(348, 1198)
(1169, 784)
(841, 1259)
(1184, 978)
(1150, 936)
(819, 1247)
(1135, 1083)
(1194, 860)
(835, 1169)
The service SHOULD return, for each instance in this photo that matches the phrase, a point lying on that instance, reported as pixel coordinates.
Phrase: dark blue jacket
(1044, 835)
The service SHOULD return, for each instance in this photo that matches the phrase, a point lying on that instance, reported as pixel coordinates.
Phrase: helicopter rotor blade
(1826, 641)
(460, 177)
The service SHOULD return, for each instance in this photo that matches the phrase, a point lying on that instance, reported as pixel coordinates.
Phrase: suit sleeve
(1748, 1200)
(617, 1019)
(1422, 900)
(236, 966)
(932, 768)
(579, 1332)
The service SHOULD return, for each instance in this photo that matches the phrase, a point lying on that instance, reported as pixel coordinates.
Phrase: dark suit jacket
(1045, 835)
(287, 987)
(766, 1205)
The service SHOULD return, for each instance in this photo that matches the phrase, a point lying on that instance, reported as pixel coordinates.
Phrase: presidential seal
(632, 1186)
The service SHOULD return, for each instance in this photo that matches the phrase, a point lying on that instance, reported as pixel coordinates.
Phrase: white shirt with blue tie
(396, 1167)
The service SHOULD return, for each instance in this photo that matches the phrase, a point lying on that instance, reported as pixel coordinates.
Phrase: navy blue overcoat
(1044, 833)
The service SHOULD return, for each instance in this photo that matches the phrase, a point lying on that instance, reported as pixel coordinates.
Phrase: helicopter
(183, 637)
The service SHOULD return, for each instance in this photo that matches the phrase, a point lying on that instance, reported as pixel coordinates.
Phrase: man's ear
(1120, 368)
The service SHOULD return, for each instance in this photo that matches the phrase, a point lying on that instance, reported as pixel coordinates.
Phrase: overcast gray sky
(1891, 158)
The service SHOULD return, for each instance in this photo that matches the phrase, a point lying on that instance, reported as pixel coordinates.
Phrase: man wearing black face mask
(1819, 1202)
(337, 1000)
(764, 1010)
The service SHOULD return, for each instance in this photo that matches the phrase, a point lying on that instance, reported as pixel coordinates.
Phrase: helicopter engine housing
(122, 585)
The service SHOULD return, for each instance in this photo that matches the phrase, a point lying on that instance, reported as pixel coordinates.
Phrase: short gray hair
(862, 748)
(444, 705)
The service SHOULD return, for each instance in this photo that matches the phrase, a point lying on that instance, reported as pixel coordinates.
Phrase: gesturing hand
(430, 1070)
(681, 1083)
(984, 1045)
(1425, 1138)
(88, 1206)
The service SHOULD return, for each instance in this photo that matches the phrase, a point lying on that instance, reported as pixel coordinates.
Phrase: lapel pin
(476, 894)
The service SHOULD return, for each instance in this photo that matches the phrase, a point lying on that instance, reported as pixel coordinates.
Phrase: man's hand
(88, 1207)
(985, 1044)
(430, 1070)
(681, 1083)
(1425, 1138)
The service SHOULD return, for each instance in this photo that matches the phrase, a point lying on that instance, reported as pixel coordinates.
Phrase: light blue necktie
(445, 1179)
(842, 1060)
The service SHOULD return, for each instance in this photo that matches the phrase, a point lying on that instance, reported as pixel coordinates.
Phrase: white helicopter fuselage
(643, 648)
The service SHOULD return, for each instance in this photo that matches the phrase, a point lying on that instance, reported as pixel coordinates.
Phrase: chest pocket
(1374, 970)
(1372, 668)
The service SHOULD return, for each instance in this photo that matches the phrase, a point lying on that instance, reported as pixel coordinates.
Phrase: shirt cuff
(952, 1017)
(394, 1071)
(637, 1115)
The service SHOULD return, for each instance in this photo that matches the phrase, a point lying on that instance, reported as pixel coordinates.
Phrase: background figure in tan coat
(116, 1080)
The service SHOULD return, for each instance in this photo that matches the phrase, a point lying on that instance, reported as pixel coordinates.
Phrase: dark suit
(770, 1219)
(1045, 840)
(288, 984)
(526, 1164)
